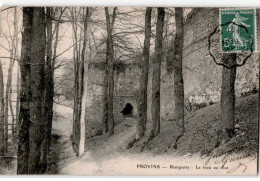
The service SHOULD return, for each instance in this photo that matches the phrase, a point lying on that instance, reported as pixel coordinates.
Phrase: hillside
(200, 135)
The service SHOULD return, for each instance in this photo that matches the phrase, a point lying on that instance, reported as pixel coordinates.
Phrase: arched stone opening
(128, 110)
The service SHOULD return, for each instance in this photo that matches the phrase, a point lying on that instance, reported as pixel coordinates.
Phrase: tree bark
(227, 100)
(13, 54)
(24, 116)
(82, 133)
(109, 89)
(11, 107)
(48, 95)
(177, 72)
(2, 104)
(80, 97)
(156, 78)
(37, 88)
(7, 96)
(77, 81)
(18, 71)
(17, 99)
(79, 55)
(142, 106)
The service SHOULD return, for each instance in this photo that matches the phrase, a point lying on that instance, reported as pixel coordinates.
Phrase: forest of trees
(37, 60)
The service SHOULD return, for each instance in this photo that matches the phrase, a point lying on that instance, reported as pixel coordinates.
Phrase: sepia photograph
(127, 91)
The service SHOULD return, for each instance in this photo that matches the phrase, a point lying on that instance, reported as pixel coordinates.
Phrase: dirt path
(63, 124)
(94, 160)
(61, 152)
(99, 150)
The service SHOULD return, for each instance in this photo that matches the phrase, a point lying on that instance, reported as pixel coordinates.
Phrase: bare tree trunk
(11, 106)
(177, 71)
(17, 98)
(78, 81)
(142, 106)
(81, 145)
(76, 96)
(80, 98)
(77, 76)
(156, 78)
(48, 95)
(80, 95)
(7, 96)
(2, 104)
(105, 102)
(106, 77)
(24, 116)
(15, 54)
(110, 73)
(227, 100)
(37, 88)
(18, 71)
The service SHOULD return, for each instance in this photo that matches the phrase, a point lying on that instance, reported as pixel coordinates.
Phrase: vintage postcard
(129, 91)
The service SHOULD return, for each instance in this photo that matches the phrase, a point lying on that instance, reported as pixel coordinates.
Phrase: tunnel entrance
(128, 110)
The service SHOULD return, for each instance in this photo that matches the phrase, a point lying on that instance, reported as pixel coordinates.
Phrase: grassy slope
(200, 133)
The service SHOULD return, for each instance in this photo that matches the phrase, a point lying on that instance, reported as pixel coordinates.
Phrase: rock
(236, 126)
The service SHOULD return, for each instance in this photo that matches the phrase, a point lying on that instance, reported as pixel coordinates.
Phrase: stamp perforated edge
(255, 35)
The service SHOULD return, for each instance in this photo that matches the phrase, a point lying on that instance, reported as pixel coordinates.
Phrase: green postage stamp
(238, 30)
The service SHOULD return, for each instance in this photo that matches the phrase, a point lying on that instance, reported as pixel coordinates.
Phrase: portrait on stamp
(238, 30)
